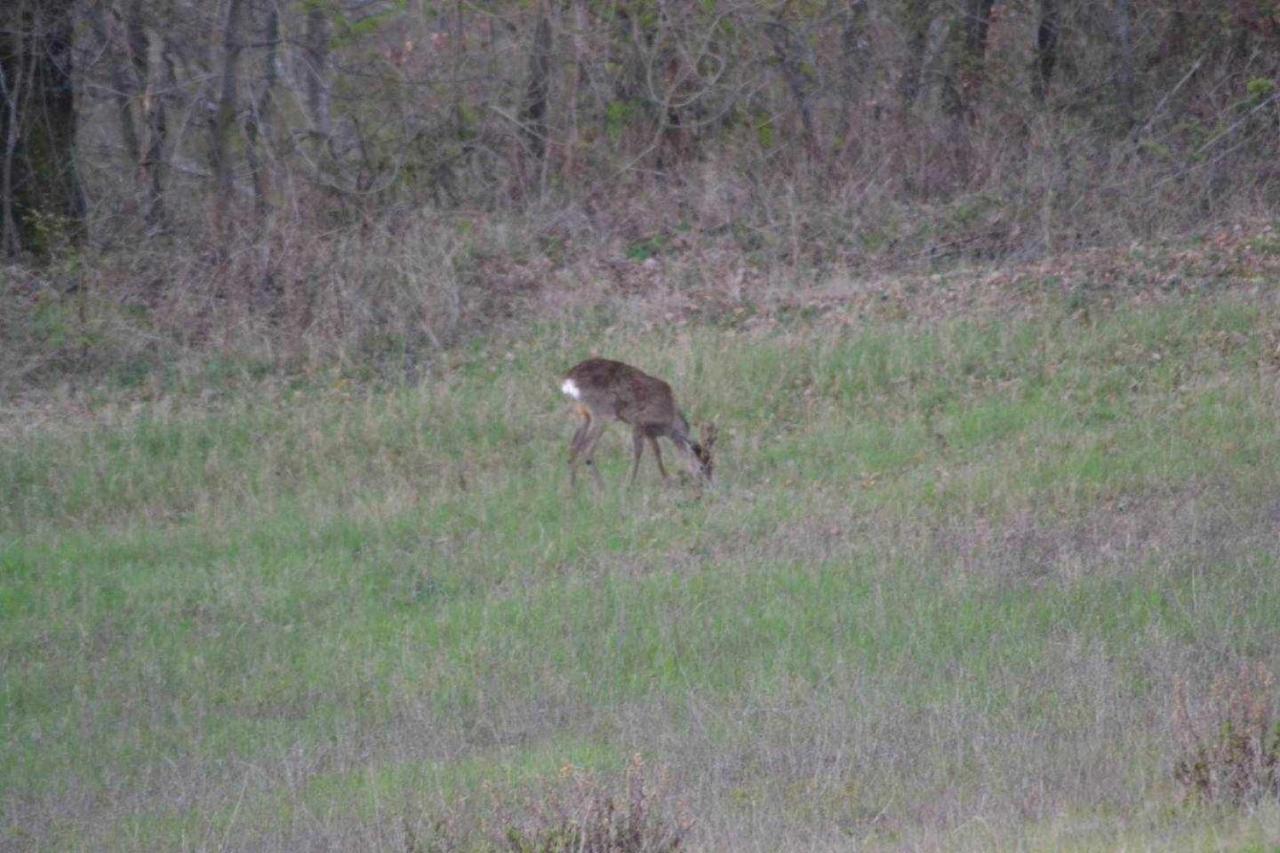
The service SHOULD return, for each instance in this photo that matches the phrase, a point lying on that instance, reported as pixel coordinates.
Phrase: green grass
(948, 579)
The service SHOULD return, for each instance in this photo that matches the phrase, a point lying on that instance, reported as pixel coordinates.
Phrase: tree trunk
(1046, 48)
(1125, 78)
(533, 115)
(317, 71)
(12, 87)
(223, 120)
(964, 76)
(854, 64)
(917, 26)
(579, 26)
(977, 26)
(124, 86)
(258, 123)
(853, 47)
(146, 52)
(42, 205)
(799, 80)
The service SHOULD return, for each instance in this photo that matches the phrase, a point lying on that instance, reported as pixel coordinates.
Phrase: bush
(1231, 742)
(585, 814)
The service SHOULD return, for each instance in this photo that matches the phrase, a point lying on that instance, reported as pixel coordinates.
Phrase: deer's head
(702, 451)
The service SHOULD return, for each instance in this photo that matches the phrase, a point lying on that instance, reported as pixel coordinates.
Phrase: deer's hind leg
(637, 450)
(588, 452)
(579, 443)
(657, 454)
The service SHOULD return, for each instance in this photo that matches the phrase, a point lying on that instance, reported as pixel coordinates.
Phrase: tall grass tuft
(585, 814)
(1231, 740)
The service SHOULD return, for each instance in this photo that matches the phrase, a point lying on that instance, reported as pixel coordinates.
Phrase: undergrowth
(1231, 740)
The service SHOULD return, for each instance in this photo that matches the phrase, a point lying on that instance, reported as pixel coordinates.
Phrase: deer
(605, 391)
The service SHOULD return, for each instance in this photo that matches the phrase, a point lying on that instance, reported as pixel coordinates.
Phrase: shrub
(585, 814)
(1231, 741)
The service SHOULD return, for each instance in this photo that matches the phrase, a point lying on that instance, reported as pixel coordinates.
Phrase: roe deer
(610, 390)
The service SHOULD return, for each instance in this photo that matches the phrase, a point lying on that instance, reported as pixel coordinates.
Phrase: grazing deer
(610, 390)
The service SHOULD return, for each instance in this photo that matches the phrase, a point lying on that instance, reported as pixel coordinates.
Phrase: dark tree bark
(1175, 42)
(533, 114)
(977, 24)
(258, 122)
(853, 67)
(918, 14)
(222, 122)
(124, 85)
(316, 48)
(42, 205)
(13, 76)
(1125, 77)
(1046, 48)
(146, 54)
(130, 70)
(964, 75)
(799, 79)
(853, 46)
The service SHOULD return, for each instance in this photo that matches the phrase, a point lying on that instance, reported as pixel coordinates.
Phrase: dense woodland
(328, 166)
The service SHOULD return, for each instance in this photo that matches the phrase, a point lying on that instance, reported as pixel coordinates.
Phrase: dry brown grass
(385, 300)
(1230, 738)
(584, 813)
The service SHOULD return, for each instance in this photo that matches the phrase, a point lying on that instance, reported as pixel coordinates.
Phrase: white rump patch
(571, 388)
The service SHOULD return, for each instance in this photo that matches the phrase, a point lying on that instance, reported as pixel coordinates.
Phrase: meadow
(973, 583)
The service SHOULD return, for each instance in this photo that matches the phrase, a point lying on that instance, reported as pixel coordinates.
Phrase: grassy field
(946, 593)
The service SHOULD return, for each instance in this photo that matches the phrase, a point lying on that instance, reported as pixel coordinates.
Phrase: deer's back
(620, 390)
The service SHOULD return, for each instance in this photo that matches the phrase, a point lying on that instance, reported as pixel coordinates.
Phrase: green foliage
(642, 250)
(352, 31)
(766, 135)
(52, 235)
(618, 116)
(1259, 89)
